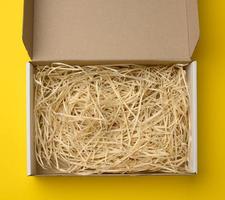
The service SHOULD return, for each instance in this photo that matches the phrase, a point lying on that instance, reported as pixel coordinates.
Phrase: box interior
(35, 169)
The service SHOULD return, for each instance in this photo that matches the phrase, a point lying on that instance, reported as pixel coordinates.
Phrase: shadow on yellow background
(209, 183)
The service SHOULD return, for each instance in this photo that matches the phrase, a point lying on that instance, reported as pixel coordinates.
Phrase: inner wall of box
(65, 26)
(35, 169)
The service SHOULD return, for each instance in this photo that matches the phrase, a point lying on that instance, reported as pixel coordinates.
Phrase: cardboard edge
(102, 62)
(28, 85)
(27, 36)
(29, 120)
(192, 24)
(113, 175)
(192, 84)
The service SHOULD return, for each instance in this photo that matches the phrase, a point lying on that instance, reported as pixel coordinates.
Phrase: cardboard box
(105, 32)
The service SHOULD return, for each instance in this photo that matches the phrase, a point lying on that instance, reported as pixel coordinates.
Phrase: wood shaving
(111, 118)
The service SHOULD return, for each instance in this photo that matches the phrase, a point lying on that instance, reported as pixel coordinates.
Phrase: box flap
(100, 30)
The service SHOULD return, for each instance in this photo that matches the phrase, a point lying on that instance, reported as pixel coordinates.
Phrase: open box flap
(99, 30)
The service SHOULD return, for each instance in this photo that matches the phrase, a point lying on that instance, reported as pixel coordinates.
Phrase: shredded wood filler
(111, 118)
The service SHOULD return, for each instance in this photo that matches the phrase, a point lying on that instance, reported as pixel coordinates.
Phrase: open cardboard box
(105, 32)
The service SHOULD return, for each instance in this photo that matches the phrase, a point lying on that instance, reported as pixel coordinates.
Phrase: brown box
(113, 31)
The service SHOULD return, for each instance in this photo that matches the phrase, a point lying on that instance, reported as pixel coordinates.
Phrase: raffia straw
(111, 118)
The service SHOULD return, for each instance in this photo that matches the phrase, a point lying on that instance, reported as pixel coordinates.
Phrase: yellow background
(209, 183)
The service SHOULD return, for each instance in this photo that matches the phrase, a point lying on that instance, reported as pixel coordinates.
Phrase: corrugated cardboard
(110, 31)
(100, 30)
